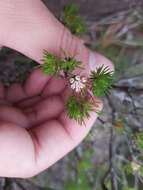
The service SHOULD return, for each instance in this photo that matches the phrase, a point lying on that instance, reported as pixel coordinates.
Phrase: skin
(35, 130)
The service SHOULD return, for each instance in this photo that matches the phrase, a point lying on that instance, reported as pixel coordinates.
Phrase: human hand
(35, 131)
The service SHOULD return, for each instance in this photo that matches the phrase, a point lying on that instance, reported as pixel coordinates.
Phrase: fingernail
(97, 60)
(92, 61)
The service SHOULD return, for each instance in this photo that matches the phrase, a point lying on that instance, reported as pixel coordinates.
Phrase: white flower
(77, 83)
(135, 166)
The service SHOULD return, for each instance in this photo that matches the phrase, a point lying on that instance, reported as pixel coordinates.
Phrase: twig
(103, 122)
(7, 183)
(134, 107)
(111, 153)
(20, 185)
(136, 181)
(31, 183)
(127, 88)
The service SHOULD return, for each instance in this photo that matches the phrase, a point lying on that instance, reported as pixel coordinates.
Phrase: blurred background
(111, 157)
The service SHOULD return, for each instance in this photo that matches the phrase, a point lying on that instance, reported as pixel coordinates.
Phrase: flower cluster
(78, 83)
(84, 89)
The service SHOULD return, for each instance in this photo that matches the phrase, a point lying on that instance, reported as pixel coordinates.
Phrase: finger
(46, 109)
(29, 102)
(31, 27)
(55, 86)
(51, 144)
(2, 91)
(13, 115)
(5, 102)
(76, 131)
(36, 83)
(66, 93)
(24, 154)
(17, 151)
(32, 87)
(15, 93)
(37, 29)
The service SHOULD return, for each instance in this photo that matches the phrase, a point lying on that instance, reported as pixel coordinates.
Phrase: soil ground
(94, 9)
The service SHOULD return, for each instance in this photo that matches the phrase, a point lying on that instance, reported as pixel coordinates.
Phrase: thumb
(33, 28)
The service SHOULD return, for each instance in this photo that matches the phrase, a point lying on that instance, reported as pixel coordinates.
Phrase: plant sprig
(84, 89)
(73, 20)
(102, 80)
(50, 64)
(78, 109)
(69, 64)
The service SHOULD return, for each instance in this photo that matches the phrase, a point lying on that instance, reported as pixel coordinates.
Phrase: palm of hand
(35, 130)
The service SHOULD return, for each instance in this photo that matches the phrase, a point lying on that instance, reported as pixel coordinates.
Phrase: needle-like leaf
(102, 80)
(78, 109)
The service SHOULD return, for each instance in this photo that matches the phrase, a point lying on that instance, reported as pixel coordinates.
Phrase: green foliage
(139, 140)
(129, 188)
(72, 19)
(88, 175)
(70, 185)
(119, 127)
(78, 109)
(81, 181)
(84, 163)
(80, 184)
(128, 168)
(141, 171)
(50, 64)
(102, 80)
(69, 64)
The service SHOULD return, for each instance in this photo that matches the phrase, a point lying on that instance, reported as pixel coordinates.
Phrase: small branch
(111, 153)
(20, 185)
(7, 183)
(31, 183)
(99, 119)
(127, 88)
(134, 107)
(136, 181)
(104, 178)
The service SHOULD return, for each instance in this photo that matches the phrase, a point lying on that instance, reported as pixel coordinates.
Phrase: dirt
(94, 9)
